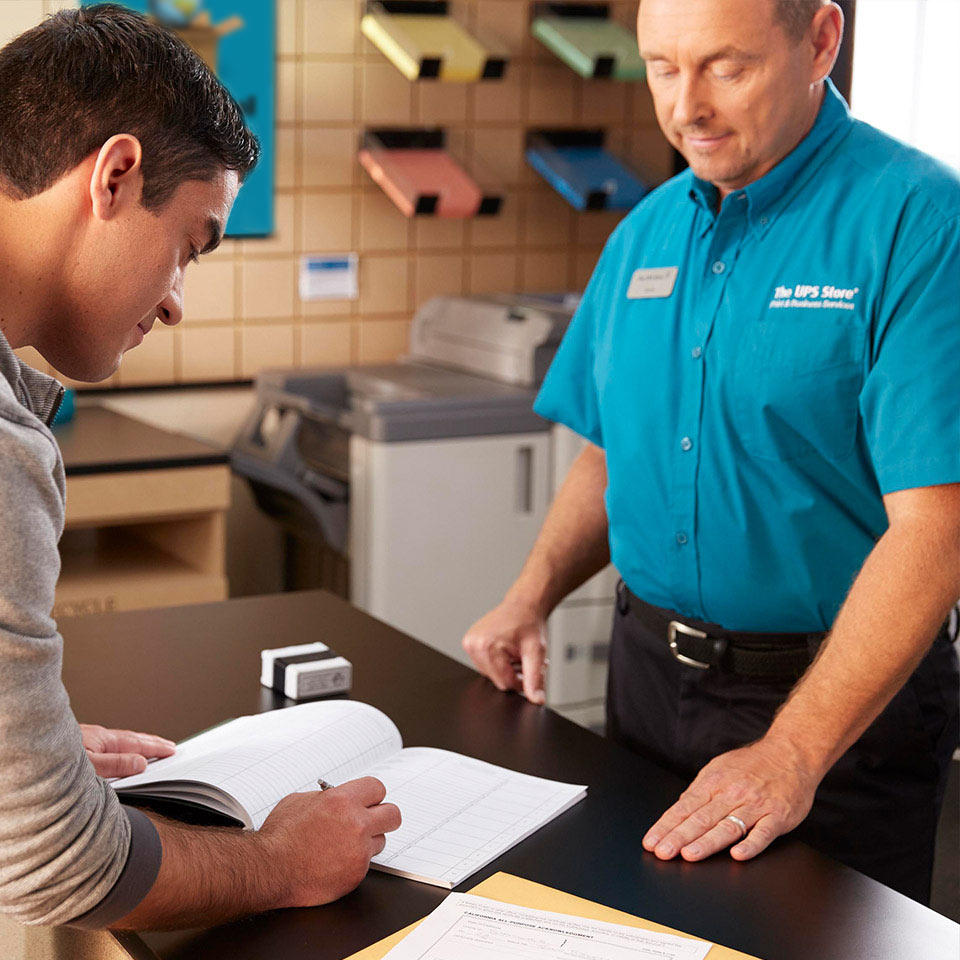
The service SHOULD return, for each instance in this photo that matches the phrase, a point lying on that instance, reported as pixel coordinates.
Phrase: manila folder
(525, 893)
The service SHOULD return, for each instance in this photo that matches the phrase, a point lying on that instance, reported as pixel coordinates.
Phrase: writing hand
(122, 753)
(322, 842)
(765, 785)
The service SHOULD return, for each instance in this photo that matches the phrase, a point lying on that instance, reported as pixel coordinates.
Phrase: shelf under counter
(121, 569)
(145, 517)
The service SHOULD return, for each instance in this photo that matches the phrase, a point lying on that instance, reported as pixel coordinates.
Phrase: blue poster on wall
(236, 38)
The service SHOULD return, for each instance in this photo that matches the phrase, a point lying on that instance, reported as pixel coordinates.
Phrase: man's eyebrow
(731, 53)
(215, 231)
(728, 52)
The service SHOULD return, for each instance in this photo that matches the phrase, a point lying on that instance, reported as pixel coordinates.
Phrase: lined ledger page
(459, 814)
(258, 760)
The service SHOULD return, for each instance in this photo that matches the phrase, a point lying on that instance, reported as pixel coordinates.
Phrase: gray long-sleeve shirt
(69, 852)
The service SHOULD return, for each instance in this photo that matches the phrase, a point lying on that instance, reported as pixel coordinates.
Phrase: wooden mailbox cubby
(145, 520)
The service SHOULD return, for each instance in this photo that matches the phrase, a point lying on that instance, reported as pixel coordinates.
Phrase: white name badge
(652, 283)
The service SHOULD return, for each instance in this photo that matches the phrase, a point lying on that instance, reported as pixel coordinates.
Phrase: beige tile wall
(242, 310)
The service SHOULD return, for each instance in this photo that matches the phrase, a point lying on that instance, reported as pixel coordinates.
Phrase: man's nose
(690, 107)
(170, 308)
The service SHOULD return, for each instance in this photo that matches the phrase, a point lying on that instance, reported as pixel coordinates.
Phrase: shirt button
(764, 221)
(718, 267)
(695, 353)
(681, 538)
(686, 444)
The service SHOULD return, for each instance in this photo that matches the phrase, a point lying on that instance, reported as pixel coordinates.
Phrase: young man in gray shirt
(120, 158)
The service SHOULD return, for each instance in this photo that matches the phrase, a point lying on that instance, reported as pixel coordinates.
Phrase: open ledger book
(458, 813)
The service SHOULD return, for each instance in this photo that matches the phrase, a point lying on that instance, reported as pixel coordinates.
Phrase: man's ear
(827, 33)
(117, 178)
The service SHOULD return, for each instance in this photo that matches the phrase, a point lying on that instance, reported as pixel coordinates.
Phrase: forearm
(313, 848)
(208, 875)
(896, 605)
(572, 545)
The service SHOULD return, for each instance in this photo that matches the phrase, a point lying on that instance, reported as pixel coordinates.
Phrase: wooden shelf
(121, 569)
(146, 517)
(105, 499)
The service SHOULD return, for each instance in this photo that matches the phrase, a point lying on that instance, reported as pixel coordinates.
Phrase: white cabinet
(578, 632)
(578, 641)
(441, 528)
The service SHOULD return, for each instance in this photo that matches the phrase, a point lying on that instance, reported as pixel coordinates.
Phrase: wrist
(542, 584)
(272, 864)
(531, 598)
(805, 750)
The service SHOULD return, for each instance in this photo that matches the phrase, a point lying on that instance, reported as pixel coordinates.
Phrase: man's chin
(86, 369)
(725, 176)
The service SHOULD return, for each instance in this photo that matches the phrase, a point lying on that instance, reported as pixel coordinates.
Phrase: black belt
(766, 656)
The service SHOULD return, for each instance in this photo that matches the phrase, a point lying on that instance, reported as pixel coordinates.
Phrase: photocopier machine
(430, 478)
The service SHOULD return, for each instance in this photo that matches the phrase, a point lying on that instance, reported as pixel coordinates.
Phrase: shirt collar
(832, 120)
(37, 392)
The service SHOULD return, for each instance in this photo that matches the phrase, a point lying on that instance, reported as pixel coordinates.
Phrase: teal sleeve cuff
(932, 472)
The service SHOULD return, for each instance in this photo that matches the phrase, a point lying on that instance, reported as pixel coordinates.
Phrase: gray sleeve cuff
(136, 878)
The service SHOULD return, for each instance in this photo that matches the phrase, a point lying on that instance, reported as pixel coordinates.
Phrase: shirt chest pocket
(796, 385)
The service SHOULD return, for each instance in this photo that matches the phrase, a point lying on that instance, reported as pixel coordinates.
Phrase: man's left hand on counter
(764, 784)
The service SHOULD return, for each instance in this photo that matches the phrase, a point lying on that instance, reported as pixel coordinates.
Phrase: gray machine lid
(508, 338)
(404, 401)
(474, 368)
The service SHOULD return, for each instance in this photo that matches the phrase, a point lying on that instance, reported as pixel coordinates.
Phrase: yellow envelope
(525, 893)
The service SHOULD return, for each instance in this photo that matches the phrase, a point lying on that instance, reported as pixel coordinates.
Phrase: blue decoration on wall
(239, 36)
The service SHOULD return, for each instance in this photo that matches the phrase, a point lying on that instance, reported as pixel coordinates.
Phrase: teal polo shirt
(759, 376)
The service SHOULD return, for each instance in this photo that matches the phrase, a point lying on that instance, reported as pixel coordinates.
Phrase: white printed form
(466, 927)
(460, 813)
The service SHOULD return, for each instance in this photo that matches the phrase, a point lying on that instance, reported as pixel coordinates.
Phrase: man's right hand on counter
(325, 840)
(508, 645)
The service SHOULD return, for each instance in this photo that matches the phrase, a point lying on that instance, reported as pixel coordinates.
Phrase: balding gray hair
(795, 15)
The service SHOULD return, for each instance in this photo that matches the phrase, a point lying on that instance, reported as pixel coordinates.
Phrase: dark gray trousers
(876, 810)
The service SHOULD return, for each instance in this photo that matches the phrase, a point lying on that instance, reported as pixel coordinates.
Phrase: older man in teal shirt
(766, 365)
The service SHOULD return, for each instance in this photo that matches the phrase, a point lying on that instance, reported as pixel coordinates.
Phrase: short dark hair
(795, 15)
(83, 76)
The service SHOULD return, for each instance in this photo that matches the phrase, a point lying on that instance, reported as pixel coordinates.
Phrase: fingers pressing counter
(742, 800)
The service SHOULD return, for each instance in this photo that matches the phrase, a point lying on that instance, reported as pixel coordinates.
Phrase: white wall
(906, 72)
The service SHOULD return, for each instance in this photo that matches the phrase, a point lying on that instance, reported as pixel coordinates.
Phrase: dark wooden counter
(98, 440)
(179, 670)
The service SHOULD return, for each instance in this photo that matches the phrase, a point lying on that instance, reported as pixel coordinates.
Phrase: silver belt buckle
(673, 629)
